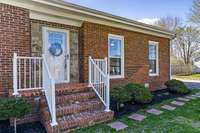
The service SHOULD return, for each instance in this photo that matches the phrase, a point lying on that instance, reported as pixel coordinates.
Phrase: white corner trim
(122, 55)
(157, 60)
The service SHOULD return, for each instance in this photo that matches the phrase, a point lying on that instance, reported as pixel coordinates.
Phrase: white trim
(157, 58)
(74, 12)
(44, 31)
(122, 55)
(55, 19)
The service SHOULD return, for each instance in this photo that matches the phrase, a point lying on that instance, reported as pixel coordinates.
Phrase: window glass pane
(152, 66)
(152, 52)
(115, 66)
(115, 47)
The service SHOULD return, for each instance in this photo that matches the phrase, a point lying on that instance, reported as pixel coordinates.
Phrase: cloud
(149, 20)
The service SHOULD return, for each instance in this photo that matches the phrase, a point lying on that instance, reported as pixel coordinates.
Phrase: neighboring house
(66, 50)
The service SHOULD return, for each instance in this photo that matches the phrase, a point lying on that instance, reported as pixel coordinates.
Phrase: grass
(188, 77)
(185, 119)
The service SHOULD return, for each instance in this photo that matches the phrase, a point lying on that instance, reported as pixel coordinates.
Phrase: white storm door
(56, 50)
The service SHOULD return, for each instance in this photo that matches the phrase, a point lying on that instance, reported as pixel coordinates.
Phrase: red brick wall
(14, 37)
(95, 44)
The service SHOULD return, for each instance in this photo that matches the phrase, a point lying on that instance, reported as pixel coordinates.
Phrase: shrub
(120, 95)
(177, 86)
(139, 92)
(13, 108)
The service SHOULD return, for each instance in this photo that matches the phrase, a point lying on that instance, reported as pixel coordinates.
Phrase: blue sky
(140, 9)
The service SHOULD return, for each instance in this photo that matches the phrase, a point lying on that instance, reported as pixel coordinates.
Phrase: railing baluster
(35, 73)
(19, 73)
(29, 73)
(24, 73)
(39, 71)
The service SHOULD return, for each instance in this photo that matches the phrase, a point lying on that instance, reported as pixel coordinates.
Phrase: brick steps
(62, 110)
(71, 98)
(62, 89)
(76, 106)
(84, 119)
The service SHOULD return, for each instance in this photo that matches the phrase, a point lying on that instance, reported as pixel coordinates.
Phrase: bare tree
(169, 23)
(187, 43)
(194, 16)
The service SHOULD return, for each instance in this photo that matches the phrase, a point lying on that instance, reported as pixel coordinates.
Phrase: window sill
(153, 75)
(116, 77)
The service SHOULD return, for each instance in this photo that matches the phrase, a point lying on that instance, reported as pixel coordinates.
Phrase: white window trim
(157, 59)
(122, 55)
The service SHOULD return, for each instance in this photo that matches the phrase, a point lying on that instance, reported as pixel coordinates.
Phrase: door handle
(67, 56)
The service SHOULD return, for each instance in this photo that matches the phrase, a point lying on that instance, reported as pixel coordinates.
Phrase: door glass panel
(56, 52)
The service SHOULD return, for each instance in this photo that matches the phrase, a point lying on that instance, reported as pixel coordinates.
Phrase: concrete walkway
(191, 84)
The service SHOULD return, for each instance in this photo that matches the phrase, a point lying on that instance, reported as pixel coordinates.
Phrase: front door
(56, 51)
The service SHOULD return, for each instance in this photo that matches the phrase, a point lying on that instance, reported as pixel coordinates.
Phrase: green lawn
(185, 119)
(188, 77)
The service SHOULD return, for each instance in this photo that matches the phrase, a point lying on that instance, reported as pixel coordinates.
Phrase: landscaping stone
(118, 125)
(177, 103)
(168, 107)
(137, 117)
(196, 96)
(183, 99)
(155, 111)
(191, 97)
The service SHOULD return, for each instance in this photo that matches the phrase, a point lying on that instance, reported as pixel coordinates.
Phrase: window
(153, 59)
(116, 56)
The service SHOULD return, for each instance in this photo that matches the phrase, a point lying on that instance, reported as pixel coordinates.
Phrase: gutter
(91, 12)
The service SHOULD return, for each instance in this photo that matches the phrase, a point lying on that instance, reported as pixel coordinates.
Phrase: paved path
(192, 84)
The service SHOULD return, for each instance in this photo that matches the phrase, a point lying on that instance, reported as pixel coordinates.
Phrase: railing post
(53, 122)
(15, 74)
(107, 86)
(43, 71)
(89, 69)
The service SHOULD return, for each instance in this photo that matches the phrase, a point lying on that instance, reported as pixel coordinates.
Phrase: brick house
(57, 53)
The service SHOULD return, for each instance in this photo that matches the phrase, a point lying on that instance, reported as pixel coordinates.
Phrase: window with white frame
(116, 55)
(153, 58)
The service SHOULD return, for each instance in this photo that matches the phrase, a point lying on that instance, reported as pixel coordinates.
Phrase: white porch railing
(27, 73)
(49, 88)
(31, 73)
(99, 80)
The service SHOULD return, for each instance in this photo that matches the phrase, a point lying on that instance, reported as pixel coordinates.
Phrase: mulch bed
(35, 127)
(158, 97)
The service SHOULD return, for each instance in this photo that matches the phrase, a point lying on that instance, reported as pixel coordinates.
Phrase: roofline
(89, 11)
(62, 5)
(110, 15)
